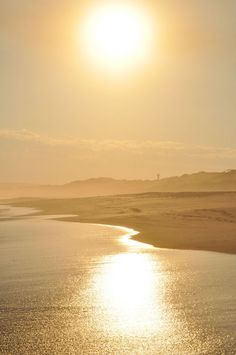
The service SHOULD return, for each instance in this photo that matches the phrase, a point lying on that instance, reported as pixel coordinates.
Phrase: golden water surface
(70, 288)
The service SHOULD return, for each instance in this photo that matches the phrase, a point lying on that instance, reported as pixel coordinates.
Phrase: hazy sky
(61, 119)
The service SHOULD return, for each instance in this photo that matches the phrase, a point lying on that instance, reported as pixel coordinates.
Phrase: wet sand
(196, 221)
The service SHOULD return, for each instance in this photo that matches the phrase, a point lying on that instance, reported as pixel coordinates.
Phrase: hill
(202, 181)
(198, 182)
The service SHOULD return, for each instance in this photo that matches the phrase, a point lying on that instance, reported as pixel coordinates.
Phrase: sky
(63, 119)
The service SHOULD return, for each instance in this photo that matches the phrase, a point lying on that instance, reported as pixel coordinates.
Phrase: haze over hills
(201, 181)
(197, 182)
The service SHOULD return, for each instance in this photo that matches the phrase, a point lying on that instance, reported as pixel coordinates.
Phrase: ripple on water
(70, 288)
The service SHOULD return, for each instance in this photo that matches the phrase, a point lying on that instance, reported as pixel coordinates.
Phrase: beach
(192, 221)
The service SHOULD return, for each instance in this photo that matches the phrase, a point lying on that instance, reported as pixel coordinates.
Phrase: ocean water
(71, 288)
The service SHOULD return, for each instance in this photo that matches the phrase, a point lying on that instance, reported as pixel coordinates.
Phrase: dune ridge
(197, 182)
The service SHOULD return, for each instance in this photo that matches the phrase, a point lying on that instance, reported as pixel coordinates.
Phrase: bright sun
(117, 36)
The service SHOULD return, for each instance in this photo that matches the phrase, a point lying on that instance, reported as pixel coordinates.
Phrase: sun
(116, 36)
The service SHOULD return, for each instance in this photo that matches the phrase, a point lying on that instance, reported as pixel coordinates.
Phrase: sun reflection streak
(130, 291)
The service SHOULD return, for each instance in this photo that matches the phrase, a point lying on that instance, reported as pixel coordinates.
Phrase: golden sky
(169, 107)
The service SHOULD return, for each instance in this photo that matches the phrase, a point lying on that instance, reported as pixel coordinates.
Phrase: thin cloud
(161, 148)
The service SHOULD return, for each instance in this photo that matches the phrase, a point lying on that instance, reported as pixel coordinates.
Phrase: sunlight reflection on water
(128, 287)
(70, 288)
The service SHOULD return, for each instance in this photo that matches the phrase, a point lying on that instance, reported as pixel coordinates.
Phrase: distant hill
(202, 181)
(80, 188)
(109, 186)
(198, 182)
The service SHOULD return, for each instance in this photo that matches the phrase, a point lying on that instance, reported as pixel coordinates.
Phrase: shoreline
(129, 236)
(32, 212)
(198, 222)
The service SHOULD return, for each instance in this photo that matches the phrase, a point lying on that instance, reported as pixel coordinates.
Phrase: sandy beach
(196, 221)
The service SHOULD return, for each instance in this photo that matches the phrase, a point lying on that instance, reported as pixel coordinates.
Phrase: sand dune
(202, 181)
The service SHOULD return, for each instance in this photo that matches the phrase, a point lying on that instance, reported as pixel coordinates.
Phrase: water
(70, 288)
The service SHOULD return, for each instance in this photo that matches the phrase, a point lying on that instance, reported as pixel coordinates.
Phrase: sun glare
(127, 289)
(116, 36)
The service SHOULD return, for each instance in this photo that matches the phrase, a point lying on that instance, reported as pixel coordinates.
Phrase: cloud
(25, 135)
(150, 147)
